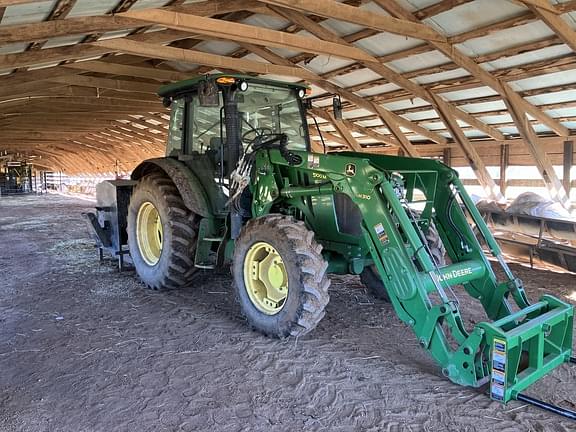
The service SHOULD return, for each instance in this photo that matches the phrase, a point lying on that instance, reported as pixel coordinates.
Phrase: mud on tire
(306, 273)
(179, 225)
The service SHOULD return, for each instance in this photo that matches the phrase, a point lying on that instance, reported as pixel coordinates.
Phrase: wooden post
(504, 161)
(567, 165)
(447, 156)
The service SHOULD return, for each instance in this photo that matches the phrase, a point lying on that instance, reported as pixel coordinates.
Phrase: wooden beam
(446, 111)
(471, 66)
(381, 138)
(553, 183)
(504, 162)
(447, 157)
(5, 3)
(488, 29)
(568, 162)
(566, 7)
(550, 15)
(540, 4)
(128, 70)
(19, 91)
(374, 64)
(56, 26)
(215, 7)
(517, 106)
(474, 160)
(340, 128)
(105, 83)
(390, 75)
(243, 32)
(64, 27)
(391, 120)
(327, 136)
(198, 57)
(425, 48)
(438, 8)
(123, 6)
(343, 12)
(385, 140)
(59, 54)
(31, 58)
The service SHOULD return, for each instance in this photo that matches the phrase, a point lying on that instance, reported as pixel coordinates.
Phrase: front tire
(280, 276)
(161, 233)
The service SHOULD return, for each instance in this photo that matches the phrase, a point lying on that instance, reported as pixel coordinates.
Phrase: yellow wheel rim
(265, 278)
(149, 233)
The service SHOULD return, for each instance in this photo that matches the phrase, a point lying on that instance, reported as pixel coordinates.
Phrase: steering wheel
(252, 134)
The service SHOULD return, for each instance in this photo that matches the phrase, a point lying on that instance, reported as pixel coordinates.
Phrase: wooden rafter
(446, 111)
(198, 57)
(340, 127)
(112, 99)
(390, 120)
(6, 3)
(335, 10)
(438, 8)
(551, 16)
(244, 33)
(254, 36)
(481, 74)
(343, 12)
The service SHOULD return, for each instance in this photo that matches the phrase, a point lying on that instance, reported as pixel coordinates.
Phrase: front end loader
(240, 186)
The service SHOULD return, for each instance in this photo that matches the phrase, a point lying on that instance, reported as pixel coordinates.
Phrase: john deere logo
(350, 170)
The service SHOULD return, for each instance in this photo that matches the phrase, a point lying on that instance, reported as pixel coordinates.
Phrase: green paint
(378, 189)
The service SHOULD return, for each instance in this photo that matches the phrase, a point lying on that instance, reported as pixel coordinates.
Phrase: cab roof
(187, 86)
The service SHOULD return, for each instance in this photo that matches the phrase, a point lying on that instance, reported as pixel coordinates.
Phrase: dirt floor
(84, 348)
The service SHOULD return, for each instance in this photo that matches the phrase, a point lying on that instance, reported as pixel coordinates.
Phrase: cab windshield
(262, 110)
(272, 110)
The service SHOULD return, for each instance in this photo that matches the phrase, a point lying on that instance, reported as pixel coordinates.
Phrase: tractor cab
(216, 119)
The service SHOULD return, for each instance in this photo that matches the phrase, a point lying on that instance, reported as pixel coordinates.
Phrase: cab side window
(205, 127)
(174, 146)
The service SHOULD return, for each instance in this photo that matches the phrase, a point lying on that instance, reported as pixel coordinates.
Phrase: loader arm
(522, 343)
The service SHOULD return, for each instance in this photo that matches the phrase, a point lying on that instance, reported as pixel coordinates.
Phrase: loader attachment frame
(520, 344)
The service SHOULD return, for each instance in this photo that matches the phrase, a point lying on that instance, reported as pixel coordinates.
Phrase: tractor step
(528, 344)
(206, 258)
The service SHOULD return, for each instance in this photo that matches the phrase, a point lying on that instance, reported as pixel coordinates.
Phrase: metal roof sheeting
(459, 20)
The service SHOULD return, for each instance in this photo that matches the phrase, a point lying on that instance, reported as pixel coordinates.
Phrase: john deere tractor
(240, 186)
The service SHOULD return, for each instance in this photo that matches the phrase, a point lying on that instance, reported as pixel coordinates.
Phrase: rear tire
(371, 280)
(289, 245)
(168, 263)
(436, 246)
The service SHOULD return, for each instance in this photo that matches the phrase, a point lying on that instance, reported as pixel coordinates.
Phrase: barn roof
(78, 78)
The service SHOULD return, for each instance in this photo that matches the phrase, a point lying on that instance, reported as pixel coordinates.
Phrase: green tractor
(240, 186)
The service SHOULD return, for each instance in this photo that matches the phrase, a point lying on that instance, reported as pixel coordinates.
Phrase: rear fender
(184, 179)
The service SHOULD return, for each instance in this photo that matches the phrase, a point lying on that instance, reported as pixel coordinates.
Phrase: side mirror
(337, 107)
(208, 94)
(166, 101)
